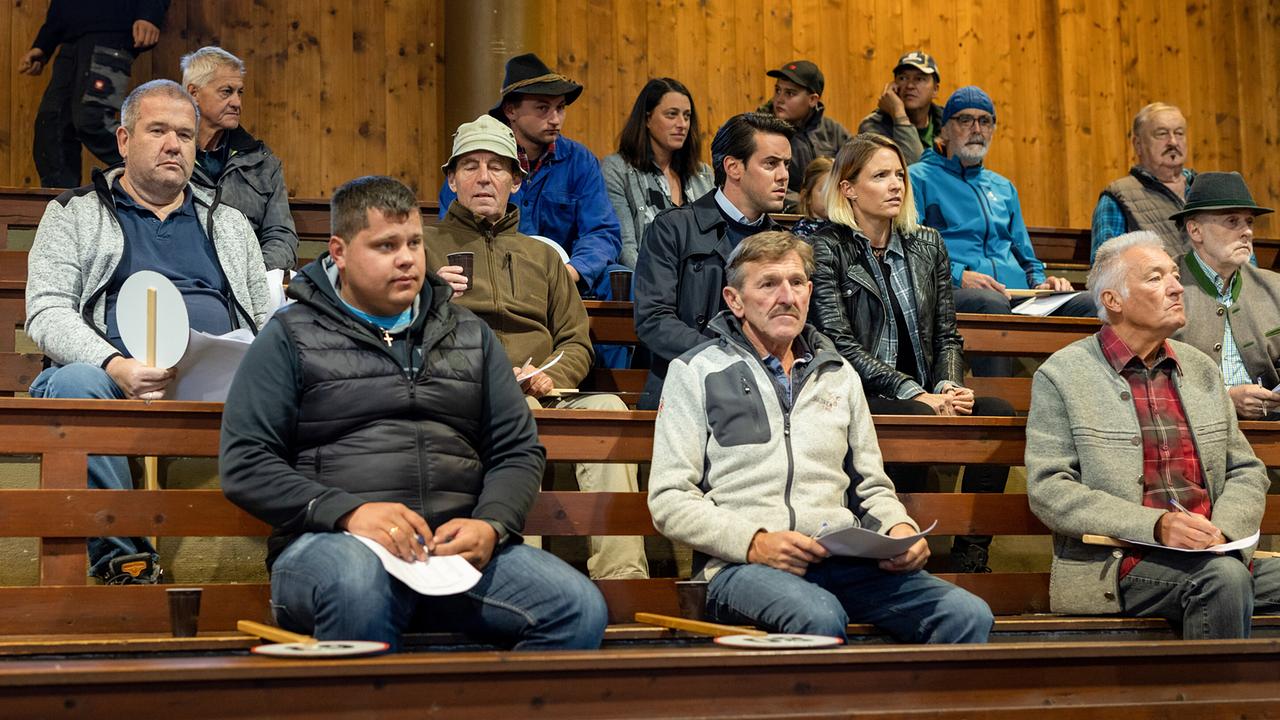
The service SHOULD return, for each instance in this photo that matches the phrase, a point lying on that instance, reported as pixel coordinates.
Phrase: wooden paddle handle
(1112, 542)
(694, 626)
(268, 632)
(1103, 540)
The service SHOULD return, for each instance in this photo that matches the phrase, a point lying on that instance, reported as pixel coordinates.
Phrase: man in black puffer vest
(374, 406)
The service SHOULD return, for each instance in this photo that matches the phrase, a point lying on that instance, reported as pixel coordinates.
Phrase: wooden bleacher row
(1008, 335)
(21, 209)
(611, 322)
(62, 512)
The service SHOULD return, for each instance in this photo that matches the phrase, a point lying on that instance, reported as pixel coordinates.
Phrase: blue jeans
(912, 607)
(81, 380)
(1200, 594)
(332, 586)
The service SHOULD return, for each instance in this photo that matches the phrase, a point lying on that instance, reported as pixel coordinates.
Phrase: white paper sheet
(1241, 544)
(437, 575)
(206, 370)
(275, 289)
(859, 542)
(553, 361)
(1043, 305)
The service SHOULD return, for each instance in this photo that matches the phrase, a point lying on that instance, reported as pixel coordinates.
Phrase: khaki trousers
(612, 557)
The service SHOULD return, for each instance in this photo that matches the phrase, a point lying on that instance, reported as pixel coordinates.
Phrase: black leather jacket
(847, 306)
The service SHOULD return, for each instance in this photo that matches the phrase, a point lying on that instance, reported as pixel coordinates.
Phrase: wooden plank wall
(341, 88)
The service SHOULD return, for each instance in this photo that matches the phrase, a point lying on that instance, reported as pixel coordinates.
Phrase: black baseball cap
(801, 72)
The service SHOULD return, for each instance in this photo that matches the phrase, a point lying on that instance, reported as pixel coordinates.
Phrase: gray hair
(1109, 270)
(198, 68)
(1145, 114)
(164, 88)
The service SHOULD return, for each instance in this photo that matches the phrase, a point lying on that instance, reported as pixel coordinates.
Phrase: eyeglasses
(986, 122)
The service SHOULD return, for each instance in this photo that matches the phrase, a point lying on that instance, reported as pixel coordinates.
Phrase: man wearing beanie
(797, 98)
(980, 218)
(563, 195)
(522, 290)
(906, 112)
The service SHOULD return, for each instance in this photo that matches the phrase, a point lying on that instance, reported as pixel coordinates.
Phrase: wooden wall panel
(340, 88)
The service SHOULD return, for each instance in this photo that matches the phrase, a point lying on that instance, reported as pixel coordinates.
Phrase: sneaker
(137, 569)
(969, 559)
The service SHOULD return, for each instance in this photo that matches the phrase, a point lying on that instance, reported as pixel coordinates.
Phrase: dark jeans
(87, 86)
(1204, 596)
(913, 607)
(977, 478)
(990, 302)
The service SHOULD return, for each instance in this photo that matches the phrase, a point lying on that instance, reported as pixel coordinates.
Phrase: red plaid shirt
(524, 158)
(1170, 464)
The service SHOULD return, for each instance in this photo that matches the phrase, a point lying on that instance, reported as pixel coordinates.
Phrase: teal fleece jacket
(980, 218)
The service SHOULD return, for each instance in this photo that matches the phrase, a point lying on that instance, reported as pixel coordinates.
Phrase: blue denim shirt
(565, 200)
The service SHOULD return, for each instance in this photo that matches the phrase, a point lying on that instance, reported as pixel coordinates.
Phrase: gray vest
(1147, 205)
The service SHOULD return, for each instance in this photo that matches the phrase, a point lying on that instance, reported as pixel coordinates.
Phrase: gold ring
(393, 530)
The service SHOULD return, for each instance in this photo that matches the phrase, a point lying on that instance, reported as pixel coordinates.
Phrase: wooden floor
(1125, 679)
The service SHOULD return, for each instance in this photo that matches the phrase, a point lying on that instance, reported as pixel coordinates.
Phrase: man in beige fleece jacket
(520, 287)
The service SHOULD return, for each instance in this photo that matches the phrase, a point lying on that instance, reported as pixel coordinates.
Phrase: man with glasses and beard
(978, 213)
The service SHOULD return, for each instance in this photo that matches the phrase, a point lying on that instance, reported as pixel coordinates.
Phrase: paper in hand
(551, 362)
(437, 575)
(1241, 544)
(859, 542)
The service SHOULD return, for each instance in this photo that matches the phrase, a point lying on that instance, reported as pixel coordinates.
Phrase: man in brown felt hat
(563, 195)
(1233, 308)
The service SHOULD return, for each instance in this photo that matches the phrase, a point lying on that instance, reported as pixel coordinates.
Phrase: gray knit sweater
(79, 244)
(727, 464)
(1084, 466)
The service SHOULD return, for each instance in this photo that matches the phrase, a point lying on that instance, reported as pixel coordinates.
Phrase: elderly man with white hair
(1131, 435)
(1233, 308)
(233, 164)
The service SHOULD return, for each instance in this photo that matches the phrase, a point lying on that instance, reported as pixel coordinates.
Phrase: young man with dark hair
(377, 407)
(563, 195)
(680, 270)
(797, 98)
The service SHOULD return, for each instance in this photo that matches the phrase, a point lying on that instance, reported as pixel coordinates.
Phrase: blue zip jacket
(980, 218)
(565, 200)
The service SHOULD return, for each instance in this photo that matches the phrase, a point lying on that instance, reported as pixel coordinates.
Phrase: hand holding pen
(1181, 528)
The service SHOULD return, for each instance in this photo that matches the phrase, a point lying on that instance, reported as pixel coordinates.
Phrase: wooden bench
(1011, 335)
(62, 512)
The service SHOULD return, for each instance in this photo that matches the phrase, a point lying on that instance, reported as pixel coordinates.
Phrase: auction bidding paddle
(700, 627)
(150, 463)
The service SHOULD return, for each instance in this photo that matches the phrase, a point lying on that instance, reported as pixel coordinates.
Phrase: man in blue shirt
(563, 195)
(978, 213)
(1155, 188)
(145, 216)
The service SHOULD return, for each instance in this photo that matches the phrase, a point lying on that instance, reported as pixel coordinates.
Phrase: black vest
(370, 428)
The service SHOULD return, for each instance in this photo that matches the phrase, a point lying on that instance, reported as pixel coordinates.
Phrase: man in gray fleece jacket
(91, 239)
(732, 480)
(1132, 436)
